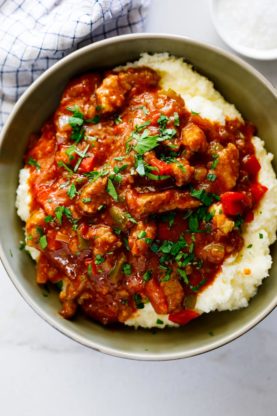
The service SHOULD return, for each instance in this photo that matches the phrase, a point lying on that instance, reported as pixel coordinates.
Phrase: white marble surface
(44, 373)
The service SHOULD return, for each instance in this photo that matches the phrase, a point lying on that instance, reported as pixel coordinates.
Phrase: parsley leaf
(142, 126)
(111, 190)
(43, 242)
(127, 269)
(176, 120)
(48, 218)
(138, 301)
(99, 259)
(211, 177)
(162, 121)
(141, 234)
(140, 167)
(146, 143)
(193, 223)
(205, 197)
(147, 276)
(72, 191)
(33, 162)
(215, 161)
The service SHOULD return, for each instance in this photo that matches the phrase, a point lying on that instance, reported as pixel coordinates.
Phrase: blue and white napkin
(34, 34)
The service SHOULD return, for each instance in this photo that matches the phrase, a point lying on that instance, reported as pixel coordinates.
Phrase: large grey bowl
(240, 84)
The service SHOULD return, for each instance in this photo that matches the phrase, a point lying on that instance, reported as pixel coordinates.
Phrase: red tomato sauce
(135, 199)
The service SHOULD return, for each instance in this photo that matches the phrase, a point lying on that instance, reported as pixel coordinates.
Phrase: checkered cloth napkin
(34, 34)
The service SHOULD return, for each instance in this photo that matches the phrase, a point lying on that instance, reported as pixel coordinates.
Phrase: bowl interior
(239, 85)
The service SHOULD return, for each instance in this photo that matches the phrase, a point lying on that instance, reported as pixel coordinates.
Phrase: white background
(44, 373)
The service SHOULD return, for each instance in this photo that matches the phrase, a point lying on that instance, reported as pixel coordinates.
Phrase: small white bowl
(261, 54)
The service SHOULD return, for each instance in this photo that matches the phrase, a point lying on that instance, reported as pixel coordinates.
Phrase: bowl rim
(143, 356)
(258, 54)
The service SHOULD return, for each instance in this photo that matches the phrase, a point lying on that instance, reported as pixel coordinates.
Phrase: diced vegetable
(258, 190)
(183, 317)
(233, 203)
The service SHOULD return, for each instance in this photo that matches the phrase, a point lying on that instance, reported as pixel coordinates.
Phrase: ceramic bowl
(240, 84)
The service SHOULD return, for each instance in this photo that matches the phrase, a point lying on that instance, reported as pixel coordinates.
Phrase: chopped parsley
(62, 210)
(239, 222)
(127, 269)
(176, 120)
(99, 259)
(33, 162)
(142, 126)
(48, 218)
(141, 234)
(82, 156)
(111, 190)
(118, 120)
(93, 120)
(86, 200)
(72, 191)
(183, 275)
(205, 197)
(197, 287)
(43, 242)
(61, 164)
(130, 218)
(118, 169)
(261, 235)
(193, 223)
(138, 301)
(145, 143)
(147, 276)
(249, 246)
(211, 177)
(215, 161)
(76, 121)
(194, 113)
(162, 121)
(159, 322)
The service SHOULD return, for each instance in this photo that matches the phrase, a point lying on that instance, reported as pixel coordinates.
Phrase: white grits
(243, 273)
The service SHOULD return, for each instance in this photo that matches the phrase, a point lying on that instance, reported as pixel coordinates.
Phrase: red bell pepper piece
(156, 296)
(258, 190)
(183, 317)
(163, 168)
(87, 164)
(233, 203)
(252, 165)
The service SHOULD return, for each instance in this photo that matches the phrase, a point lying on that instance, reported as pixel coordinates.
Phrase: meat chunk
(111, 93)
(193, 137)
(154, 202)
(114, 88)
(92, 195)
(182, 171)
(103, 239)
(138, 235)
(227, 169)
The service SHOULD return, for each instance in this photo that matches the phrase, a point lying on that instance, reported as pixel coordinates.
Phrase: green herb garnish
(111, 190)
(43, 242)
(34, 163)
(72, 191)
